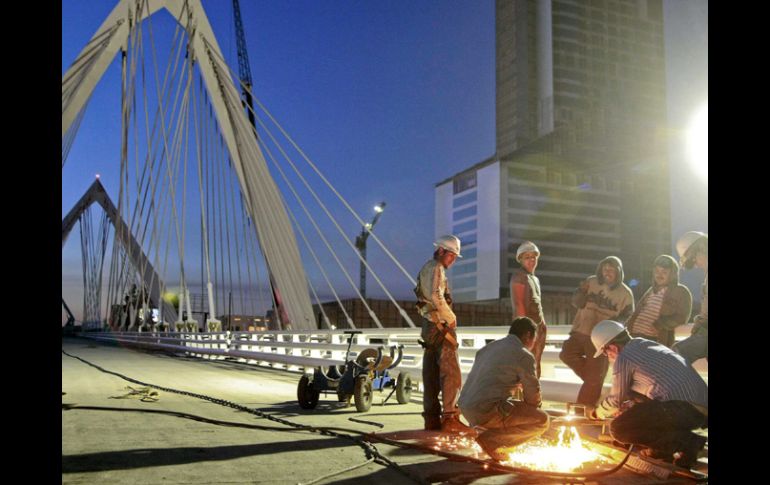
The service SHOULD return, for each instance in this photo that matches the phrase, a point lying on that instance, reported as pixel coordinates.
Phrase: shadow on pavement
(152, 457)
(442, 471)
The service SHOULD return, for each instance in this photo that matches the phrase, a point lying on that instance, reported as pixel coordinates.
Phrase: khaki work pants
(440, 373)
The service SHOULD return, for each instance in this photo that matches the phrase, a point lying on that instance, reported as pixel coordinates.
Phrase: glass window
(465, 199)
(463, 213)
(464, 227)
(464, 182)
(465, 282)
(468, 253)
(461, 269)
(467, 241)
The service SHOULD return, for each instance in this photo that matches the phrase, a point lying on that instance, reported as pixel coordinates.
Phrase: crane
(244, 72)
(244, 69)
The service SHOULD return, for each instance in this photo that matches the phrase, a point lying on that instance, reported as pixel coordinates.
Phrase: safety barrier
(303, 351)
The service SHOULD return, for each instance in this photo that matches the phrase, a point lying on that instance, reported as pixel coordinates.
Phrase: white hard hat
(450, 243)
(603, 332)
(527, 247)
(686, 241)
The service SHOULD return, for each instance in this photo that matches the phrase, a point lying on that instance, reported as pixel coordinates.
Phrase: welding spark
(567, 454)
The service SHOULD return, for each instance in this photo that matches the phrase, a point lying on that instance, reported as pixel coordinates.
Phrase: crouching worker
(499, 370)
(657, 399)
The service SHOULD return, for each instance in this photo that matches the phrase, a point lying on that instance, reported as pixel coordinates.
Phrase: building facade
(580, 166)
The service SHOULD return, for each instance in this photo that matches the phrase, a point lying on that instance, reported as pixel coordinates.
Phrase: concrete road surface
(111, 436)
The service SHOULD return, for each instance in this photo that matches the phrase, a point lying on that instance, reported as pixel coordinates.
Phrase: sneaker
(452, 425)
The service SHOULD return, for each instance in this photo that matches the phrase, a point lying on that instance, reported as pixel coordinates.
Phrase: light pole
(361, 245)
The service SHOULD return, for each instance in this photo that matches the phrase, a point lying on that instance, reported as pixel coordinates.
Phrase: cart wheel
(363, 394)
(306, 395)
(403, 388)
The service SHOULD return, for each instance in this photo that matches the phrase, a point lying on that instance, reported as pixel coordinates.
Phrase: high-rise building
(580, 166)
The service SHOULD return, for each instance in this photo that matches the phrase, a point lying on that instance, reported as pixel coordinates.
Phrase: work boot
(687, 455)
(432, 422)
(451, 424)
(490, 447)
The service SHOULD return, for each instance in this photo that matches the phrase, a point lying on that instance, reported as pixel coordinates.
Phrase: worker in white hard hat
(601, 296)
(664, 306)
(440, 365)
(525, 295)
(693, 249)
(657, 399)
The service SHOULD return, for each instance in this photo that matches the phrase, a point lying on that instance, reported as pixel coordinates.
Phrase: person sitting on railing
(500, 370)
(525, 295)
(600, 297)
(664, 306)
(657, 398)
(440, 364)
(693, 248)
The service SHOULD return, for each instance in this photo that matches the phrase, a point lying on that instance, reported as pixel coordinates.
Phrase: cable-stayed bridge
(215, 216)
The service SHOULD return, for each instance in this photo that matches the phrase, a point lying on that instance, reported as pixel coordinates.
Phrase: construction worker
(599, 297)
(525, 295)
(664, 306)
(500, 369)
(440, 365)
(657, 399)
(693, 249)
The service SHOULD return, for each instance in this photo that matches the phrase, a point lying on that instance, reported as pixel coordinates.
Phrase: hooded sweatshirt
(599, 301)
(675, 308)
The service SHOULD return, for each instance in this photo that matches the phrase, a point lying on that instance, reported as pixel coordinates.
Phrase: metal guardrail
(300, 351)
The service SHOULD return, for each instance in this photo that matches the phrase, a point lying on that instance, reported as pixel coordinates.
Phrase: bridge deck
(184, 439)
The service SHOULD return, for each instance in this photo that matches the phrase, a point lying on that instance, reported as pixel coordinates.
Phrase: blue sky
(387, 98)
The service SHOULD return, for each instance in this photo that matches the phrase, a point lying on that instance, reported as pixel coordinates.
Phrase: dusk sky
(387, 98)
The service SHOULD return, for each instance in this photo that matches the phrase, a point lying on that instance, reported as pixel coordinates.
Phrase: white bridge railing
(303, 351)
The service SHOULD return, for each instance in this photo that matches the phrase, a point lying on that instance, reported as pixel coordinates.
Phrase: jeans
(693, 348)
(511, 423)
(664, 426)
(578, 353)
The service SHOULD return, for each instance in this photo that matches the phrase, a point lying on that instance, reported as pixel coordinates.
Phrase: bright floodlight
(378, 208)
(368, 225)
(97, 175)
(698, 142)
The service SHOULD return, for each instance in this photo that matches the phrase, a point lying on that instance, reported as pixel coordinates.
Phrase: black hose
(363, 421)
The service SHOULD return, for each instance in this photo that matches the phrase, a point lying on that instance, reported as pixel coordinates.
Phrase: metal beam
(263, 199)
(152, 281)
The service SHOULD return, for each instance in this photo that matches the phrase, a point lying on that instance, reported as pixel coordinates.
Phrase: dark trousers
(693, 348)
(512, 423)
(440, 372)
(578, 353)
(664, 426)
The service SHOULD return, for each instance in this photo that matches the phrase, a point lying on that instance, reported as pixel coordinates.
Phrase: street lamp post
(361, 245)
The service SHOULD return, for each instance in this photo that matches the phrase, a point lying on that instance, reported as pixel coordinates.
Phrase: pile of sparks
(454, 443)
(568, 454)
